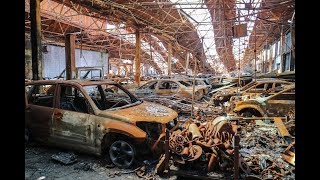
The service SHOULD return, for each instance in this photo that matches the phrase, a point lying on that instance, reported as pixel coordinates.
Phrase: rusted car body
(201, 82)
(274, 104)
(94, 116)
(256, 86)
(218, 81)
(171, 87)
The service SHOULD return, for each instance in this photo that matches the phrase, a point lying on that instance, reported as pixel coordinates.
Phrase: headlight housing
(153, 129)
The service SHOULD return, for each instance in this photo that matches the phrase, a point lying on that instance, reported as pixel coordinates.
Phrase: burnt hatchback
(95, 116)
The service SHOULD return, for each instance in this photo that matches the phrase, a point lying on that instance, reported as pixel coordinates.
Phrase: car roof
(81, 82)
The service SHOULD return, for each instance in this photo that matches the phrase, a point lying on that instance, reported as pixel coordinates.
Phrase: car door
(71, 124)
(39, 110)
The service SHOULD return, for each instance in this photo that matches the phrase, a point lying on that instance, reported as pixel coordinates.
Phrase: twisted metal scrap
(210, 139)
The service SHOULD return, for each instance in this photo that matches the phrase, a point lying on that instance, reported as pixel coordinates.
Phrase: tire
(122, 153)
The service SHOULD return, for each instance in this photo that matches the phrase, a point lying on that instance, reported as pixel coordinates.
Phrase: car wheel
(122, 153)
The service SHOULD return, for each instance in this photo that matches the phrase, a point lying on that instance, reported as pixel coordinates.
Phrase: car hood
(146, 111)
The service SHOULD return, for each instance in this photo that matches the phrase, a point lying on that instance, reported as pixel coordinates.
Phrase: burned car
(255, 86)
(269, 104)
(95, 116)
(171, 87)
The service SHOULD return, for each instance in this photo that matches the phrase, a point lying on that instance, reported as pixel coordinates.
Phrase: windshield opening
(109, 96)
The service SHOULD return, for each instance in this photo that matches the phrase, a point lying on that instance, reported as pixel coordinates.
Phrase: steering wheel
(122, 100)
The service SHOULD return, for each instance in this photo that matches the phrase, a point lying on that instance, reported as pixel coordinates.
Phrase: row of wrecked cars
(102, 117)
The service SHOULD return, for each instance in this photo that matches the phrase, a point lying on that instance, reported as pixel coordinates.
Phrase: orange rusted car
(95, 116)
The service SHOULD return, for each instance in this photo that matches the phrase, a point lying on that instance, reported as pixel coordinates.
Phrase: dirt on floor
(39, 165)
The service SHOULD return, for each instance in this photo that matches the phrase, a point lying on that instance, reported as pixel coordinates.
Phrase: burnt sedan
(171, 87)
(95, 116)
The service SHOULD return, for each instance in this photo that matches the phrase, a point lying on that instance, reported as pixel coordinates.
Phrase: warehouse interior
(160, 89)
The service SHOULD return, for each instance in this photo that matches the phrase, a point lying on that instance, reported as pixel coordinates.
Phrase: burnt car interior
(41, 95)
(73, 100)
(168, 85)
(112, 96)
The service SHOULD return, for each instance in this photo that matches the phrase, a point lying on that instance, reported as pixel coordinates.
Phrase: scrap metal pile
(209, 144)
(267, 153)
(211, 147)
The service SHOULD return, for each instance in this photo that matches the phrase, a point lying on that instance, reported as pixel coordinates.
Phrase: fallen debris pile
(183, 106)
(263, 150)
(209, 144)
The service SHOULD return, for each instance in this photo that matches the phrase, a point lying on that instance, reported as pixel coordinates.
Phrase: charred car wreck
(97, 116)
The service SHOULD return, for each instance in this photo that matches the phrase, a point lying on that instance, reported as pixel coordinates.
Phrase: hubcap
(121, 154)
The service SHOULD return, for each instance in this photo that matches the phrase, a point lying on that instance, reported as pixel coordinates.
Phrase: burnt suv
(95, 116)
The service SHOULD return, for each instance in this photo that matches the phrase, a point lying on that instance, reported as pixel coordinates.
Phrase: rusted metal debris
(211, 147)
(262, 149)
(288, 155)
(281, 127)
(183, 106)
(209, 143)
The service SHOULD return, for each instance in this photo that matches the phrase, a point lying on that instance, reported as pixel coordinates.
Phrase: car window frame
(29, 93)
(93, 107)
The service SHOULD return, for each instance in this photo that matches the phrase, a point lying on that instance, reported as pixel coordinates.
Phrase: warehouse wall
(54, 60)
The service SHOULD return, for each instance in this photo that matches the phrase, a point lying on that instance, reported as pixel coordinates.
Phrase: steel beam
(138, 57)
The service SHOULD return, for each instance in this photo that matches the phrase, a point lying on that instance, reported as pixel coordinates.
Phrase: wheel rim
(121, 154)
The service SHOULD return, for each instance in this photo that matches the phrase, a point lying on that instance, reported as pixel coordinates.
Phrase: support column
(138, 58)
(169, 58)
(36, 45)
(70, 56)
(187, 63)
(282, 44)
